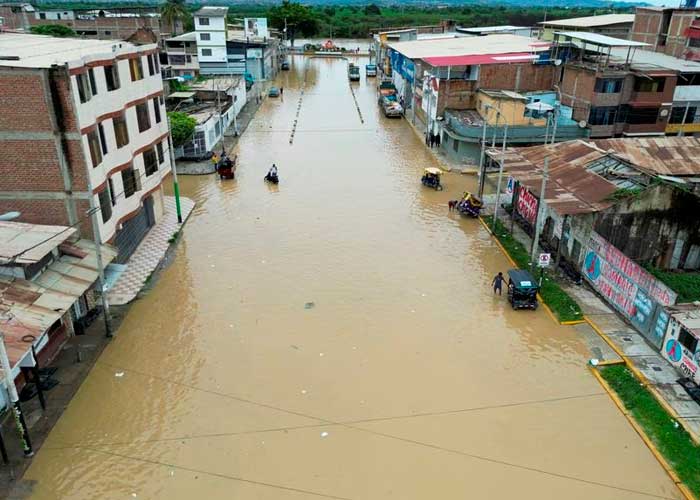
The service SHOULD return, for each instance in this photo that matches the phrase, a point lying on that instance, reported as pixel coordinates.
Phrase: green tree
(299, 19)
(57, 30)
(173, 11)
(373, 10)
(181, 127)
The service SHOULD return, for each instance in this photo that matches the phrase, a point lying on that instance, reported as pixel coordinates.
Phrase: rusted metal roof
(571, 189)
(677, 156)
(29, 308)
(32, 242)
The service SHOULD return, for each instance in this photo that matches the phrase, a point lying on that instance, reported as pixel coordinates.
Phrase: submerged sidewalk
(149, 254)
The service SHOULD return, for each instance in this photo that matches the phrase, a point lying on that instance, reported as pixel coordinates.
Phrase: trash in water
(320, 354)
(594, 362)
(119, 374)
(324, 434)
(309, 305)
(303, 391)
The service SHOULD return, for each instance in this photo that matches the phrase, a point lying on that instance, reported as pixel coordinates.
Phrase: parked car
(285, 65)
(273, 92)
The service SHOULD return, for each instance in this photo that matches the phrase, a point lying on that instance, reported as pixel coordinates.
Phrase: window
(642, 116)
(176, 60)
(203, 21)
(121, 132)
(694, 42)
(84, 91)
(93, 84)
(42, 15)
(455, 145)
(688, 79)
(112, 77)
(151, 65)
(603, 115)
(107, 33)
(649, 84)
(204, 36)
(95, 148)
(142, 117)
(129, 181)
(150, 161)
(156, 108)
(103, 140)
(686, 339)
(136, 69)
(677, 115)
(105, 204)
(206, 52)
(112, 196)
(159, 150)
(608, 86)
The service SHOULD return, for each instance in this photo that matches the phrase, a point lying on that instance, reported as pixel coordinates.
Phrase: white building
(182, 55)
(94, 111)
(210, 27)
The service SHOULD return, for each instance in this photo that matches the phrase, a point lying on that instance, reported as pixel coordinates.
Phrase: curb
(643, 380)
(687, 494)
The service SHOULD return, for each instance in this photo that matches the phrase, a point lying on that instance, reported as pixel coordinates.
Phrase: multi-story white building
(210, 28)
(83, 123)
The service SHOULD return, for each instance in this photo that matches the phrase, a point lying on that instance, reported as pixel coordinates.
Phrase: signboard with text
(685, 361)
(527, 205)
(627, 286)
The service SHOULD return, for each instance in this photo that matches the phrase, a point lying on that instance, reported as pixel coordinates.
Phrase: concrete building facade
(83, 126)
(671, 31)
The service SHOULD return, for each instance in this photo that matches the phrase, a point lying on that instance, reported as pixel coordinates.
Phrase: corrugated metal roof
(29, 308)
(677, 156)
(32, 241)
(571, 189)
(591, 21)
(470, 45)
(600, 40)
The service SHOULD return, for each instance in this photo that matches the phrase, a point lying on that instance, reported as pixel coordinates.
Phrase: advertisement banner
(627, 287)
(403, 66)
(256, 27)
(527, 205)
(681, 357)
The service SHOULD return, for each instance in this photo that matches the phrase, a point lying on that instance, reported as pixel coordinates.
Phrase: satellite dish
(557, 62)
(582, 124)
(663, 112)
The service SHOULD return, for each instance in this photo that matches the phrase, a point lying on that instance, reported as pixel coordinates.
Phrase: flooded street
(336, 337)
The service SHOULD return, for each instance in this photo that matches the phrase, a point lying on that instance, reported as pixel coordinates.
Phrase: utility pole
(685, 117)
(555, 117)
(100, 267)
(500, 177)
(482, 167)
(176, 186)
(14, 400)
(540, 211)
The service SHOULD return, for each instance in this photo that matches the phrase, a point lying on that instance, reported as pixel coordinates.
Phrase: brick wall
(519, 77)
(29, 166)
(577, 91)
(23, 106)
(647, 26)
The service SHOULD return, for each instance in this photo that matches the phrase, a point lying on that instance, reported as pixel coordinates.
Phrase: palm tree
(173, 11)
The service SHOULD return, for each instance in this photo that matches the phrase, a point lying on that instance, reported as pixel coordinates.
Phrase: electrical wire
(355, 426)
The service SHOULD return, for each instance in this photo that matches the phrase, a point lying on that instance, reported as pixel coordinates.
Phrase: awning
(181, 95)
(512, 57)
(29, 308)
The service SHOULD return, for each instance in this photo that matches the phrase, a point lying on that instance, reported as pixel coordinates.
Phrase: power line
(216, 474)
(397, 438)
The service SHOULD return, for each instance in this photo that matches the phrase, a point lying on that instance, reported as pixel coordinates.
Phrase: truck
(353, 72)
(371, 70)
(389, 100)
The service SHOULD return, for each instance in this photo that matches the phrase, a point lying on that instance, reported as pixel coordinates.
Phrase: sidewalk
(610, 338)
(73, 362)
(245, 116)
(446, 163)
(149, 254)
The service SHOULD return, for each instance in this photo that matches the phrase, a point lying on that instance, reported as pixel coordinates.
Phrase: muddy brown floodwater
(336, 337)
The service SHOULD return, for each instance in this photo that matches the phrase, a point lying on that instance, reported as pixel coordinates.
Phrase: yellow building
(499, 106)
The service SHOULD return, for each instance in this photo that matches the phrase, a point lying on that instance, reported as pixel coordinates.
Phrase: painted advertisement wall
(685, 361)
(628, 287)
